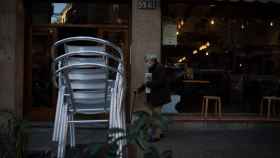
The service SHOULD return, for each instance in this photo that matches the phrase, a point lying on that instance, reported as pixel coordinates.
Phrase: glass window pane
(79, 13)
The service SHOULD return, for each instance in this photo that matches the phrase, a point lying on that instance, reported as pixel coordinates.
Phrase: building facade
(136, 25)
(142, 29)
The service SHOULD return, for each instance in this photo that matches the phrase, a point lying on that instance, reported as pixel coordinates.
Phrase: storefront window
(232, 46)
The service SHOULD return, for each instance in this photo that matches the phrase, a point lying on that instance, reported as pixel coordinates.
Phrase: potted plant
(136, 136)
(13, 135)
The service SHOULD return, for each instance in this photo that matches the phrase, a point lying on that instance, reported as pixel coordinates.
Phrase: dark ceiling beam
(80, 1)
(228, 9)
(222, 2)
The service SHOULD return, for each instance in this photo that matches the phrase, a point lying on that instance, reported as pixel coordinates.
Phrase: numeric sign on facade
(148, 4)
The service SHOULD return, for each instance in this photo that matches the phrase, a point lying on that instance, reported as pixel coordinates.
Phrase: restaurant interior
(229, 50)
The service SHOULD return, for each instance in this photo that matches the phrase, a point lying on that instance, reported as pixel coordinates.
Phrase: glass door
(40, 92)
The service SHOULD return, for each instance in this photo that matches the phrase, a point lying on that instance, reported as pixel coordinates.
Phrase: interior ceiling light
(212, 22)
(202, 47)
(119, 20)
(179, 26)
(271, 24)
(181, 59)
(182, 22)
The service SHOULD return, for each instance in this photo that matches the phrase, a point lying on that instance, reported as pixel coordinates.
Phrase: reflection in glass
(60, 10)
(79, 13)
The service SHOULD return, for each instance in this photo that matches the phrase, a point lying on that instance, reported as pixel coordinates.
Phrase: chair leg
(220, 107)
(273, 104)
(216, 107)
(63, 134)
(72, 131)
(203, 107)
(261, 107)
(57, 123)
(268, 108)
(55, 127)
(206, 108)
(278, 109)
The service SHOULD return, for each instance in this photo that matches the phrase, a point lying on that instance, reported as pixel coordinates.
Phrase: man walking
(156, 88)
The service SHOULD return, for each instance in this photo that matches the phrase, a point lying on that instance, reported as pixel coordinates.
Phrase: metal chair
(84, 86)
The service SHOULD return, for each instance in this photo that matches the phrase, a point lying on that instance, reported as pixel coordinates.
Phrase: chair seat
(271, 98)
(269, 105)
(217, 105)
(91, 111)
(86, 76)
(77, 60)
(212, 97)
(75, 48)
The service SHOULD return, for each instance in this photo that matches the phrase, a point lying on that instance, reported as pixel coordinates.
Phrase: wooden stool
(218, 105)
(269, 104)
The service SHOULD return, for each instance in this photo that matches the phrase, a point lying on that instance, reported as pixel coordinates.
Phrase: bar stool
(205, 103)
(269, 99)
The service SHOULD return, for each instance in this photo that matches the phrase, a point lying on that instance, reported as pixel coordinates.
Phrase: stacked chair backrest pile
(89, 74)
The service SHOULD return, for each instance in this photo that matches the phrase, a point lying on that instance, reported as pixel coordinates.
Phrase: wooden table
(196, 81)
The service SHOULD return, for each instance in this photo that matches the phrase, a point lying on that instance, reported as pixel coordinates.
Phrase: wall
(146, 38)
(11, 55)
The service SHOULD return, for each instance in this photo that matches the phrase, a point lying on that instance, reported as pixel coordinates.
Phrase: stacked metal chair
(89, 74)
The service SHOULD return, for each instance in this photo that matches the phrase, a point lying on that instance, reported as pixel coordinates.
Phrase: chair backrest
(85, 59)
(89, 91)
(85, 69)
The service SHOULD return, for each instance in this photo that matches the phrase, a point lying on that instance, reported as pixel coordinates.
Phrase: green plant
(13, 135)
(137, 134)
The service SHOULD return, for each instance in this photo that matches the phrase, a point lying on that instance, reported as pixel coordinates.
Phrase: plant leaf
(116, 130)
(95, 149)
(152, 152)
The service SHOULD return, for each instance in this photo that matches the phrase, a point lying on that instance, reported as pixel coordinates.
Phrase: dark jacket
(160, 93)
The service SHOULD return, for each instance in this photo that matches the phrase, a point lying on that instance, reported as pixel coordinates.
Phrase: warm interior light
(177, 33)
(179, 26)
(212, 22)
(207, 53)
(271, 24)
(195, 52)
(119, 20)
(182, 59)
(202, 47)
(208, 44)
(182, 22)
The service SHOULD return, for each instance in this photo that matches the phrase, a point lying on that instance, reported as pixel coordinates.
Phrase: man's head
(151, 59)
